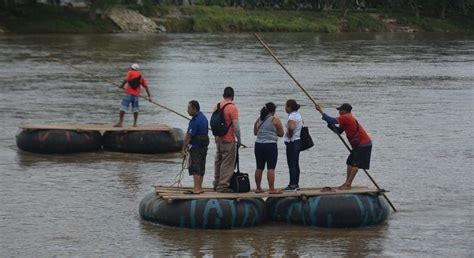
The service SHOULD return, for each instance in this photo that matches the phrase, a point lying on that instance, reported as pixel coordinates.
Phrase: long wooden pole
(118, 86)
(314, 102)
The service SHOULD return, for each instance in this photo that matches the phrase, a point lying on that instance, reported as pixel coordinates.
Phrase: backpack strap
(260, 125)
(218, 108)
(218, 105)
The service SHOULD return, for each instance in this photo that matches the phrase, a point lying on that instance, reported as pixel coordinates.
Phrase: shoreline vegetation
(40, 18)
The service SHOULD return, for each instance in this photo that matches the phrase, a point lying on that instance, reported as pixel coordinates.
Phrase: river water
(412, 92)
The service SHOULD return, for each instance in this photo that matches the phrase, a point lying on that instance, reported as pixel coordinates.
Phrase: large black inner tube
(203, 213)
(58, 141)
(146, 142)
(330, 211)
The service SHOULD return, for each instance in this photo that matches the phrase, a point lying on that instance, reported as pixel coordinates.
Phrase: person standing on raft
(134, 79)
(226, 147)
(196, 142)
(267, 128)
(292, 140)
(357, 136)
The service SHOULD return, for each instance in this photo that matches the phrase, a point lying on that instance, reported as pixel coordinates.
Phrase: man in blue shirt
(196, 142)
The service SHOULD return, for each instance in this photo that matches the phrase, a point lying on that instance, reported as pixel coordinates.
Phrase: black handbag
(306, 140)
(239, 182)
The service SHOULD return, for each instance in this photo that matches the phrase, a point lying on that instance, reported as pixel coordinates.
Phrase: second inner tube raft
(56, 141)
(203, 213)
(330, 211)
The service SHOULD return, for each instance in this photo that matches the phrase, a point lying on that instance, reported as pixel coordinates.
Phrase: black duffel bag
(239, 182)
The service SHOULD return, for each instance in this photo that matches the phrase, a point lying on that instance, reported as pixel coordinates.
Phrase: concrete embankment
(132, 21)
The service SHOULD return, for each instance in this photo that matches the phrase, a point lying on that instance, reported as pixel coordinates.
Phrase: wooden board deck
(177, 193)
(96, 127)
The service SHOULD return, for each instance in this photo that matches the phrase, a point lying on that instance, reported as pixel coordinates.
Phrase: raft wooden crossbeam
(96, 127)
(177, 193)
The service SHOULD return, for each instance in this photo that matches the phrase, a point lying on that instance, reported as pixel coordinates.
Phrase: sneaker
(289, 188)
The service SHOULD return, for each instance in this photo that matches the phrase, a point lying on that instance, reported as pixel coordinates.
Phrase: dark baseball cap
(346, 107)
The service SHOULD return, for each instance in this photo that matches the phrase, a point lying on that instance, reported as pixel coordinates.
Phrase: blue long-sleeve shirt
(329, 119)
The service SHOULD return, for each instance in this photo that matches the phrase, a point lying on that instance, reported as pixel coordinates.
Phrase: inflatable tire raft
(330, 211)
(145, 142)
(58, 141)
(203, 213)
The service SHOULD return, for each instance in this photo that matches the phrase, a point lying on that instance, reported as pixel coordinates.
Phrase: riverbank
(227, 19)
(49, 19)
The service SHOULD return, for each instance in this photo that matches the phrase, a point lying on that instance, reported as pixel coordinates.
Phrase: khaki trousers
(224, 164)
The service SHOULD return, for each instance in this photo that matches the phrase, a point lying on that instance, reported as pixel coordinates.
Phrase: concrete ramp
(132, 21)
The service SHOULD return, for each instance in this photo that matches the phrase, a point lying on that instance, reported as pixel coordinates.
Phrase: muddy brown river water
(412, 92)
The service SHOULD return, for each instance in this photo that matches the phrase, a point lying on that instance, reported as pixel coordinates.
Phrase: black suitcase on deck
(239, 182)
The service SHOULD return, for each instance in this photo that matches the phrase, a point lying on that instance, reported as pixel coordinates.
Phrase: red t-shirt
(230, 114)
(349, 124)
(132, 74)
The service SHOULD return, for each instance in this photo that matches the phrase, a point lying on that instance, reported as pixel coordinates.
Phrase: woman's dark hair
(291, 103)
(267, 109)
(228, 92)
(195, 105)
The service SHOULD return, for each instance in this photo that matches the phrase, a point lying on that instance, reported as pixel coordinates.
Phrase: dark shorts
(198, 161)
(360, 157)
(266, 153)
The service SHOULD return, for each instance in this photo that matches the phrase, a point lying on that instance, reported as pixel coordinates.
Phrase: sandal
(190, 192)
(327, 189)
(275, 192)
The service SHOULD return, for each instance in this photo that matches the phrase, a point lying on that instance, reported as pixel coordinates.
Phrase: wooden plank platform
(177, 193)
(96, 127)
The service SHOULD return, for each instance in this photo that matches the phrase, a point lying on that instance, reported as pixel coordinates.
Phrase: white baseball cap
(135, 67)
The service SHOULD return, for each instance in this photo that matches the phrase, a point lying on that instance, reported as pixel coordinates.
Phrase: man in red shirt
(357, 136)
(134, 80)
(226, 145)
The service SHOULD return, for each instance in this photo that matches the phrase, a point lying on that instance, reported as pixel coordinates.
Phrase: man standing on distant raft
(357, 136)
(134, 80)
(196, 141)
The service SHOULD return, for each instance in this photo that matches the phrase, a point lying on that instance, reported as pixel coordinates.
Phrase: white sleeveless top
(295, 116)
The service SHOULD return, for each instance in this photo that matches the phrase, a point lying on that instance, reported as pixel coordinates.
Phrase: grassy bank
(50, 19)
(227, 19)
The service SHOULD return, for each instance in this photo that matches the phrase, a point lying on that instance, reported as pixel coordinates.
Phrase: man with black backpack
(134, 80)
(225, 127)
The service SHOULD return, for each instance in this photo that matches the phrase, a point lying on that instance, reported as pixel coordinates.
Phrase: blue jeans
(127, 100)
(293, 159)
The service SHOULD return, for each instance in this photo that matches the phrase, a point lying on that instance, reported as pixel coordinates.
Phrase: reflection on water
(268, 240)
(412, 92)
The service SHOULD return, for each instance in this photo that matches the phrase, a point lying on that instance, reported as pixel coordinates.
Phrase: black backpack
(218, 126)
(135, 82)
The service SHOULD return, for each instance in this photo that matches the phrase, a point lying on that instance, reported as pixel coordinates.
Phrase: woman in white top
(293, 143)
